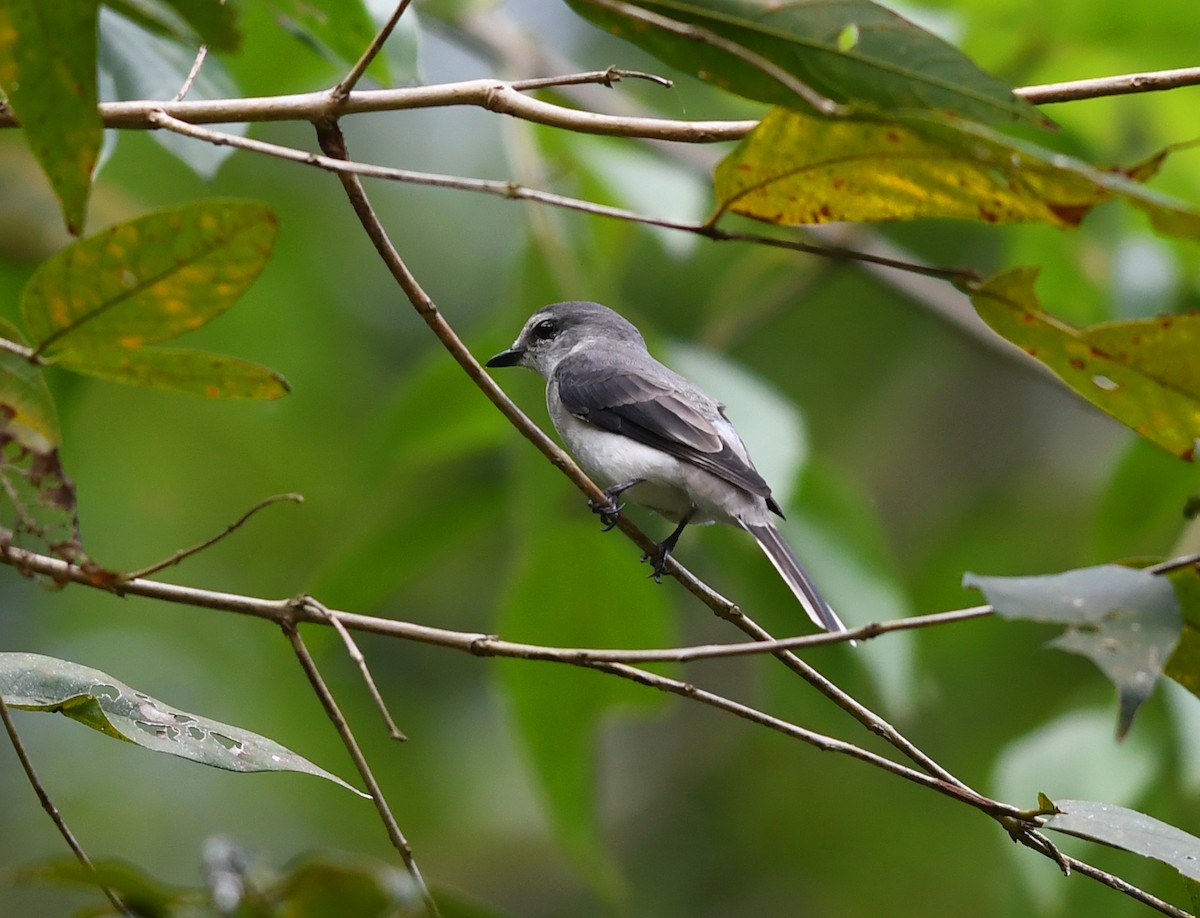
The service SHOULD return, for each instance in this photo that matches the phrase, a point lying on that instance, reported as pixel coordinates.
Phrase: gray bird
(640, 429)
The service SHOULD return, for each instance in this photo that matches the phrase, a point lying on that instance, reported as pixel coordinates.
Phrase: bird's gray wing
(644, 405)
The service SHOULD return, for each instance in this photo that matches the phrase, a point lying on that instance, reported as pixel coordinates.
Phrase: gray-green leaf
(32, 682)
(1129, 830)
(1124, 620)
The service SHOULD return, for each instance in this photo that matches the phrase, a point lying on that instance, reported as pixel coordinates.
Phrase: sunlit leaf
(851, 51)
(189, 23)
(32, 682)
(1129, 830)
(798, 169)
(179, 370)
(148, 280)
(340, 29)
(1124, 620)
(1139, 372)
(48, 72)
(554, 598)
(37, 497)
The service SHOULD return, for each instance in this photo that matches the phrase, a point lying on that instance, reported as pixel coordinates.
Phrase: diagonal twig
(341, 91)
(185, 553)
(52, 810)
(334, 713)
(314, 605)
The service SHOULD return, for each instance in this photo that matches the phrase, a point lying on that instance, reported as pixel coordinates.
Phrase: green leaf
(48, 72)
(578, 587)
(179, 370)
(32, 682)
(851, 51)
(1184, 663)
(331, 884)
(187, 22)
(341, 29)
(1139, 372)
(142, 894)
(148, 280)
(796, 169)
(1129, 830)
(1124, 620)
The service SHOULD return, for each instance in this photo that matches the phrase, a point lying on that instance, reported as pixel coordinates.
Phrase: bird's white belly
(669, 487)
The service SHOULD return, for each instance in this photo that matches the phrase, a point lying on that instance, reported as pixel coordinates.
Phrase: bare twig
(52, 810)
(194, 72)
(360, 661)
(1099, 87)
(22, 351)
(333, 712)
(350, 80)
(237, 524)
(515, 192)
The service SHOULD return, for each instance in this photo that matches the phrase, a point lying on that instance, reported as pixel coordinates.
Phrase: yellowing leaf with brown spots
(179, 370)
(1143, 373)
(798, 169)
(149, 280)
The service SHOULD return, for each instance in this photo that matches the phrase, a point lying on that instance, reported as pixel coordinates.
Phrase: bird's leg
(610, 511)
(665, 547)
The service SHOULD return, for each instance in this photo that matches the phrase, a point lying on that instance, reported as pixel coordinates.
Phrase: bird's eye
(545, 329)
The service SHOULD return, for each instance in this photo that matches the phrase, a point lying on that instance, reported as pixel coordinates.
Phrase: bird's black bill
(507, 358)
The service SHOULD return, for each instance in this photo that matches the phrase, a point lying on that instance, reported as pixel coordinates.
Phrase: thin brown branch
(1100, 87)
(51, 810)
(287, 613)
(333, 712)
(237, 524)
(350, 80)
(359, 660)
(515, 192)
(194, 72)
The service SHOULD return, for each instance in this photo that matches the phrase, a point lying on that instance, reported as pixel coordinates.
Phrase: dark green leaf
(342, 29)
(796, 168)
(1184, 663)
(1124, 620)
(1129, 830)
(851, 51)
(178, 370)
(190, 23)
(48, 72)
(148, 280)
(32, 682)
(1142, 375)
(329, 885)
(142, 894)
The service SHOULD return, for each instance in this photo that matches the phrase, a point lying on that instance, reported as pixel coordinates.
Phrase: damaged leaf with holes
(1126, 621)
(1143, 372)
(32, 682)
(99, 305)
(797, 169)
(36, 496)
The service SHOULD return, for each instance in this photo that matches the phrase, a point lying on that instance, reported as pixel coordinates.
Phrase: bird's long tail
(797, 578)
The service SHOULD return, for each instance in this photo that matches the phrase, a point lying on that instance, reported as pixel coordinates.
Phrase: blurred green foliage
(929, 452)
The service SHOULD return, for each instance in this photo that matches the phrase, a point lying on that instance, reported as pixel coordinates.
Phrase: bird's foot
(658, 563)
(608, 510)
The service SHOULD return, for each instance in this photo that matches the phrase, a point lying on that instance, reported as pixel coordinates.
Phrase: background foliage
(914, 452)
